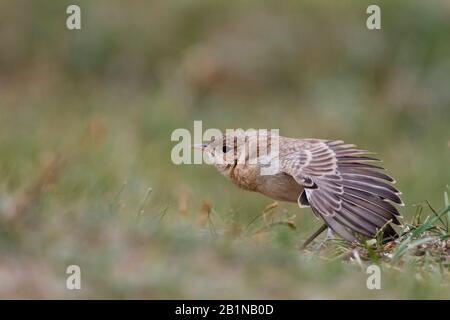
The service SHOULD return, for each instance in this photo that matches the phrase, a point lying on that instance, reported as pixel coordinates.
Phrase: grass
(85, 125)
(128, 247)
(422, 244)
(95, 187)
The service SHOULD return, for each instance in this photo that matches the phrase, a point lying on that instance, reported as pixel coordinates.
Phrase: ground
(85, 127)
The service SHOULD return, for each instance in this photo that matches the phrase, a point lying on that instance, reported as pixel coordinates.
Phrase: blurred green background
(86, 118)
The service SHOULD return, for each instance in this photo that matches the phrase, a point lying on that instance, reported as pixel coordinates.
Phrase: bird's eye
(225, 149)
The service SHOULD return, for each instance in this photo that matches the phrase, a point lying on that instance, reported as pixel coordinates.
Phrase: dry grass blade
(48, 174)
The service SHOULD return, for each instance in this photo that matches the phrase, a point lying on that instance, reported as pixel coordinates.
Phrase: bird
(354, 198)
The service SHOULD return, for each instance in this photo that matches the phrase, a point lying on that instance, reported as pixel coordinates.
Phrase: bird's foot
(322, 244)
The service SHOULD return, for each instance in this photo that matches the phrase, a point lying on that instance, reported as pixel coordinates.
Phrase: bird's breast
(280, 186)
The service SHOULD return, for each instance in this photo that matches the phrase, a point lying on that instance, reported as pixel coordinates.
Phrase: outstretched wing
(343, 187)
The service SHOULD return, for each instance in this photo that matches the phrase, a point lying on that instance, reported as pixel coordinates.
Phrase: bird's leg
(315, 235)
(329, 234)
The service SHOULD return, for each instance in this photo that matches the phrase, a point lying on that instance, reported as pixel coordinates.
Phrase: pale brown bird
(336, 180)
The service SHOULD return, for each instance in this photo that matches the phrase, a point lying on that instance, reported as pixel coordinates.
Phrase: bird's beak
(199, 146)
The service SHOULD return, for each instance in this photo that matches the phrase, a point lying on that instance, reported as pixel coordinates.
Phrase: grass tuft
(423, 244)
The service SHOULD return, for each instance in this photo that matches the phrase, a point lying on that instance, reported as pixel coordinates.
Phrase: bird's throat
(244, 176)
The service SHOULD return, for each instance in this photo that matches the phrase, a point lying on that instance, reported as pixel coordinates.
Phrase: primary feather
(342, 187)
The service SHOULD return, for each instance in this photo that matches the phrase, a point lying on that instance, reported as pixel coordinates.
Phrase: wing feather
(350, 194)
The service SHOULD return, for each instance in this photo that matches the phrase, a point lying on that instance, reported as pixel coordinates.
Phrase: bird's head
(236, 147)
